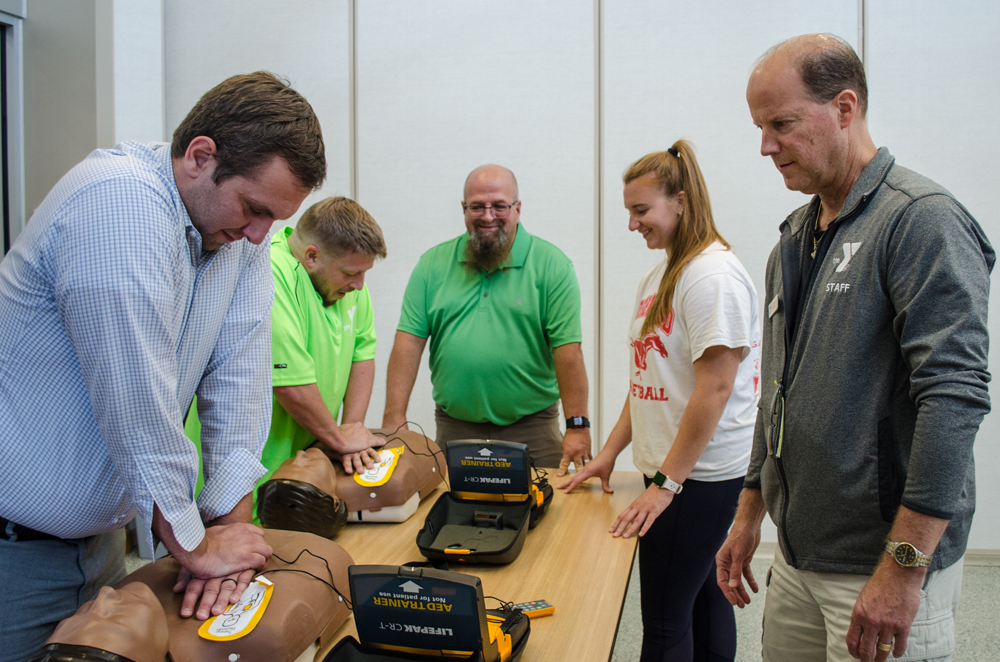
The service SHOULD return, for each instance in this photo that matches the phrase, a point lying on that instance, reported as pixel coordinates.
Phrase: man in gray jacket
(873, 381)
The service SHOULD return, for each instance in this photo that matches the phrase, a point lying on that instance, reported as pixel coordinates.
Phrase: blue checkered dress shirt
(111, 319)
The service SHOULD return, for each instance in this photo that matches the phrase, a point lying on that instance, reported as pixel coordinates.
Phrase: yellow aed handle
(485, 496)
(503, 641)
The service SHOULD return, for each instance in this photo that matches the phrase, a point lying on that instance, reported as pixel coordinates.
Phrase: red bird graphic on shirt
(641, 348)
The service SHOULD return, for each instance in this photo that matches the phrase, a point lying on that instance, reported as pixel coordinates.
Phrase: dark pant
(540, 431)
(45, 581)
(684, 613)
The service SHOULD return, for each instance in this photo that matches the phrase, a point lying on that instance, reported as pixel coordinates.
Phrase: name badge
(772, 307)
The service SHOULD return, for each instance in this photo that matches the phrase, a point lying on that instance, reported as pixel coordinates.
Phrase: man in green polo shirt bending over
(502, 311)
(322, 336)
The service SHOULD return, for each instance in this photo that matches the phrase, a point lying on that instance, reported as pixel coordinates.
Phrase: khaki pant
(539, 431)
(807, 614)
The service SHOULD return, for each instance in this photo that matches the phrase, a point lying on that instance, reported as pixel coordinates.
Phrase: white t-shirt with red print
(714, 303)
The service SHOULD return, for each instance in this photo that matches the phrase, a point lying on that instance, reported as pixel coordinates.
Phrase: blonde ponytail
(677, 170)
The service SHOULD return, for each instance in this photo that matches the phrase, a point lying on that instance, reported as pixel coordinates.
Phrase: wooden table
(569, 559)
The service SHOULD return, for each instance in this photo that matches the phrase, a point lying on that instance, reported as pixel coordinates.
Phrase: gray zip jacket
(884, 373)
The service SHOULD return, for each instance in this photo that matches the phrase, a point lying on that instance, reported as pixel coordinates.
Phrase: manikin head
(128, 622)
(301, 495)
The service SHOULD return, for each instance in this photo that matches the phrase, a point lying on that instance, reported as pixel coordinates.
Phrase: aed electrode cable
(430, 452)
(306, 572)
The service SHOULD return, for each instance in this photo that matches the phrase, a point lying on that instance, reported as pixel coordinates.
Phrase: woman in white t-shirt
(694, 343)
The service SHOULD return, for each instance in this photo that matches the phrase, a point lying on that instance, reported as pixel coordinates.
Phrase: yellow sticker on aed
(381, 472)
(239, 619)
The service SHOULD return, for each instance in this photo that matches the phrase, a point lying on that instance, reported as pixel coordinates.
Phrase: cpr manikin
(123, 625)
(301, 610)
(302, 496)
(311, 492)
(390, 492)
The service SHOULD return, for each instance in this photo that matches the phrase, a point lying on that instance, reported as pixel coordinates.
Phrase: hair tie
(674, 152)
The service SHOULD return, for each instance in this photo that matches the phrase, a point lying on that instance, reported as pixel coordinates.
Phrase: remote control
(535, 608)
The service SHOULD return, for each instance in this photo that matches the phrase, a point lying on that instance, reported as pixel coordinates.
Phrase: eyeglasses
(500, 209)
(777, 432)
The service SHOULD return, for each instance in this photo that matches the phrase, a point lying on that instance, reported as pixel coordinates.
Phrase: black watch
(574, 422)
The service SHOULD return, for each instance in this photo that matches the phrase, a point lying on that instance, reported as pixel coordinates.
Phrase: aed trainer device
(485, 470)
(535, 608)
(419, 612)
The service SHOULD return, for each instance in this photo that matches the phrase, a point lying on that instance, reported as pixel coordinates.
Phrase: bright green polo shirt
(310, 343)
(491, 335)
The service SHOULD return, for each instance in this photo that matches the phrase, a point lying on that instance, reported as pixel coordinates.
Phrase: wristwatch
(574, 422)
(664, 483)
(906, 554)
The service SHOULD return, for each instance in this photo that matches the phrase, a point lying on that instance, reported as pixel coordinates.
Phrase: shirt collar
(518, 252)
(166, 167)
(194, 237)
(869, 180)
(281, 237)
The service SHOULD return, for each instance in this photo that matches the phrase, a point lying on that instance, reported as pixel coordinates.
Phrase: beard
(327, 293)
(487, 252)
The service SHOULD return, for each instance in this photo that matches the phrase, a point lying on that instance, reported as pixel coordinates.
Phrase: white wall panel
(933, 95)
(138, 70)
(307, 42)
(679, 70)
(446, 86)
(60, 90)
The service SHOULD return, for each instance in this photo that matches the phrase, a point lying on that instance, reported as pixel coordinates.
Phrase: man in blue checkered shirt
(143, 279)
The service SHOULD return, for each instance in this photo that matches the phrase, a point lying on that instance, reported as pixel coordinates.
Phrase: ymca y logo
(849, 251)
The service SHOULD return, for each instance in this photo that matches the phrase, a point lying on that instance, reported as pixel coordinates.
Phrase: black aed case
(422, 614)
(492, 504)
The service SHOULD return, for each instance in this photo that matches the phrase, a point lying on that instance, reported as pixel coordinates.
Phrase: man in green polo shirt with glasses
(502, 311)
(322, 336)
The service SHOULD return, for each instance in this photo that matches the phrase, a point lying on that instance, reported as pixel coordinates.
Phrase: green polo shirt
(310, 343)
(491, 335)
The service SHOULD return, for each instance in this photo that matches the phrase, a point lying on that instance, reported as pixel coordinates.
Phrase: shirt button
(486, 294)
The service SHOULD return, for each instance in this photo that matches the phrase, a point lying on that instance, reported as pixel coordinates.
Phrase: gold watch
(906, 555)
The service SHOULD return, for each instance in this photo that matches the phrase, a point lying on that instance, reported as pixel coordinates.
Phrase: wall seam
(598, 373)
(353, 94)
(863, 32)
(163, 71)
